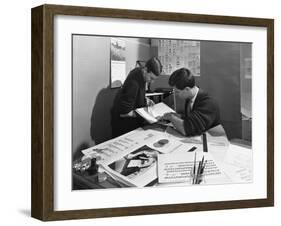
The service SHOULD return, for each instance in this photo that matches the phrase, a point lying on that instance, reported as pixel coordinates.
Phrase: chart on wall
(175, 54)
(117, 62)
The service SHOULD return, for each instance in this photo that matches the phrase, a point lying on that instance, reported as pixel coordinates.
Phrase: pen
(202, 161)
(198, 172)
(205, 145)
(194, 168)
(204, 166)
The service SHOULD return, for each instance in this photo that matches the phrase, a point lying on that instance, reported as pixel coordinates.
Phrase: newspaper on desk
(142, 156)
(132, 158)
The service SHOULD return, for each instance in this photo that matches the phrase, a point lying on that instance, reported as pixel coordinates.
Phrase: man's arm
(130, 114)
(177, 122)
(128, 99)
(203, 117)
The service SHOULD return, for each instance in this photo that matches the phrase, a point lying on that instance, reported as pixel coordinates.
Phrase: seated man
(201, 111)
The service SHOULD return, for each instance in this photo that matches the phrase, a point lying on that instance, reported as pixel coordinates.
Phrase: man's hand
(149, 102)
(131, 114)
(167, 116)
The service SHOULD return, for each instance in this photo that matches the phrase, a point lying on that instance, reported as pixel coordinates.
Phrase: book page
(158, 110)
(151, 113)
(143, 112)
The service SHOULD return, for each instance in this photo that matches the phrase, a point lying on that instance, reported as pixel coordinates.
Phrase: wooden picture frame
(42, 205)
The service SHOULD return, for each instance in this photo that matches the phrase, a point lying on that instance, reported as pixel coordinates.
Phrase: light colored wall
(92, 95)
(246, 93)
(246, 83)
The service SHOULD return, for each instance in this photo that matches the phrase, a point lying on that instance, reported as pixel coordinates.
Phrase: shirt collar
(194, 97)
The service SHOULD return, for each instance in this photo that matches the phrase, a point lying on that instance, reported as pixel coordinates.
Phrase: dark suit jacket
(204, 115)
(128, 98)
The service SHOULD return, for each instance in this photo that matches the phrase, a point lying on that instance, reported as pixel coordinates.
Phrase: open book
(151, 114)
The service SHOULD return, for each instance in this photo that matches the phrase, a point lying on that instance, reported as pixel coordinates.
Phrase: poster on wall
(248, 68)
(175, 54)
(117, 62)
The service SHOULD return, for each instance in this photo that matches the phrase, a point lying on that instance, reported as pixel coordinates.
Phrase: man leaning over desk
(201, 110)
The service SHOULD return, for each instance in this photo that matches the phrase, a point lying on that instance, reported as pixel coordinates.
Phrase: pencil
(194, 168)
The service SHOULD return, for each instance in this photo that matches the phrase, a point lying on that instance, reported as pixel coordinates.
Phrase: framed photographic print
(189, 125)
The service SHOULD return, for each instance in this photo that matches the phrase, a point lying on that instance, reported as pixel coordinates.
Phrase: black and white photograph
(158, 112)
(149, 112)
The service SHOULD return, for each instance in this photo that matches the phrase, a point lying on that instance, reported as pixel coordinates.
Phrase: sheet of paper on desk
(108, 150)
(165, 144)
(217, 141)
(218, 146)
(118, 147)
(170, 131)
(152, 139)
(238, 164)
(131, 158)
(177, 168)
(188, 142)
(151, 113)
(137, 167)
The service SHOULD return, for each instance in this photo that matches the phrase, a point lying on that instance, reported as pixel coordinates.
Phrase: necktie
(188, 108)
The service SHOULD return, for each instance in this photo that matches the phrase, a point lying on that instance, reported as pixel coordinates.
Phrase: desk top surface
(223, 152)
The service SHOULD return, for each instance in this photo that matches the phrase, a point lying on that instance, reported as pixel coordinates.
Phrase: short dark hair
(154, 65)
(182, 78)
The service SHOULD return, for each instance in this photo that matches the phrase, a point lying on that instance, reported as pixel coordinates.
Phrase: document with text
(152, 113)
(177, 168)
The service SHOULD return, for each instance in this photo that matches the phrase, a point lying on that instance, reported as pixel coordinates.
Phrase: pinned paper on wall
(117, 62)
(248, 68)
(175, 54)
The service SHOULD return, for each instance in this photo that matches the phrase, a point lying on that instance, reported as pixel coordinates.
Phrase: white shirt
(194, 97)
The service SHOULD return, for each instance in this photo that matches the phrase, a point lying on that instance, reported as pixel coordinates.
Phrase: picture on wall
(118, 62)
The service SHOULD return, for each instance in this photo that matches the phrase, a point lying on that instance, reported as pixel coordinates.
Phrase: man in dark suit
(132, 96)
(201, 110)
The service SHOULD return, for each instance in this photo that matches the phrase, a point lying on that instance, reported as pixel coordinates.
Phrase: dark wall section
(220, 77)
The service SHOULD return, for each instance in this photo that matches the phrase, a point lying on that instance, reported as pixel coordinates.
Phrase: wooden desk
(86, 181)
